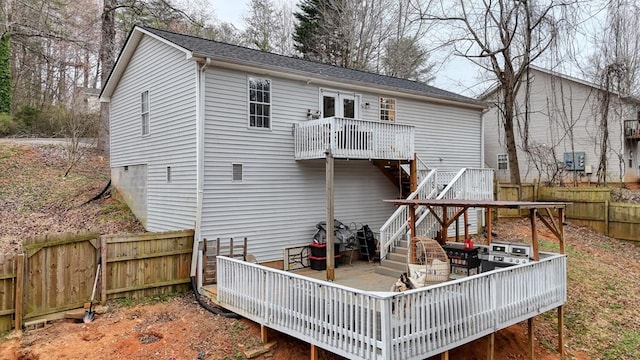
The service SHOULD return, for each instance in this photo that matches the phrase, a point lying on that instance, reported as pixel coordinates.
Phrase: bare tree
(616, 68)
(502, 37)
(269, 27)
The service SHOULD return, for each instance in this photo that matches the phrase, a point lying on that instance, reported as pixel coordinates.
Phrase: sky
(452, 73)
(455, 74)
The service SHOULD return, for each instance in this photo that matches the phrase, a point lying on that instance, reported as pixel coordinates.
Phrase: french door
(339, 104)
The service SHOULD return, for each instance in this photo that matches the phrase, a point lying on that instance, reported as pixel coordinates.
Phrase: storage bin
(320, 263)
(320, 250)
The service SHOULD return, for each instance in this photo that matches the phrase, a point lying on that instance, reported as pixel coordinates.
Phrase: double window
(259, 103)
(144, 112)
(387, 109)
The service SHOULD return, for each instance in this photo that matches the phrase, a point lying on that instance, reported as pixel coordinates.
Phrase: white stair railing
(398, 223)
(470, 184)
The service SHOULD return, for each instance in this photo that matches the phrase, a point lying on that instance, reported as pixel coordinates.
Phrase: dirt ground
(179, 328)
(602, 319)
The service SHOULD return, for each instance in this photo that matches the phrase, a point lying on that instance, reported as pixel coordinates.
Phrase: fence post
(19, 300)
(606, 217)
(103, 270)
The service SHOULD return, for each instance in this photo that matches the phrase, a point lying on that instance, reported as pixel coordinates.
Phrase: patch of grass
(606, 246)
(149, 300)
(627, 348)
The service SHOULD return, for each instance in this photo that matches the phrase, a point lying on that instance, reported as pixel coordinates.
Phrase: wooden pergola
(554, 224)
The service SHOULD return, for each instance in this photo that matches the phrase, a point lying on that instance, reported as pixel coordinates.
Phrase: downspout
(482, 123)
(196, 260)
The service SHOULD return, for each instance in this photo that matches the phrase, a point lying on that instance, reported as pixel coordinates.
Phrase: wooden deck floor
(359, 275)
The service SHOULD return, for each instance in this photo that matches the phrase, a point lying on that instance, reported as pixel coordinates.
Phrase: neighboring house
(565, 135)
(212, 135)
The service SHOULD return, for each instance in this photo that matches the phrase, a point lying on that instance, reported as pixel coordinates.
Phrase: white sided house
(233, 141)
(566, 132)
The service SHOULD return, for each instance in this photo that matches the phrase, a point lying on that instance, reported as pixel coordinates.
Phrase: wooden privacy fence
(56, 272)
(591, 207)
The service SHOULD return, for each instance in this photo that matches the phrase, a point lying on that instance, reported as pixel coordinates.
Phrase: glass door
(344, 105)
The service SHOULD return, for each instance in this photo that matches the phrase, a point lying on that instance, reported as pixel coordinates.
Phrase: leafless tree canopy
(501, 37)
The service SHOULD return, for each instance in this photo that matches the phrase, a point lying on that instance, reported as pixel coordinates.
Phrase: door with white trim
(339, 104)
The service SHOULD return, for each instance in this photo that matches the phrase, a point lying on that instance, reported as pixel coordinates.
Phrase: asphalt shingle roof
(210, 48)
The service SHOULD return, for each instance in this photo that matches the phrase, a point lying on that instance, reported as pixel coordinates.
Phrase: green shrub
(7, 125)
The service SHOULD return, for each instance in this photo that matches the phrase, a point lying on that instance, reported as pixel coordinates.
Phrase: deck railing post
(385, 327)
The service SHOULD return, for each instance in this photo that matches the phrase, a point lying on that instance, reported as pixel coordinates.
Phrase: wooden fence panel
(60, 270)
(8, 279)
(147, 264)
(573, 194)
(624, 221)
(507, 192)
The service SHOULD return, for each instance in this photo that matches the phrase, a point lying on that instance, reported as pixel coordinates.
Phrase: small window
(503, 162)
(126, 168)
(237, 172)
(259, 103)
(387, 109)
(168, 173)
(144, 113)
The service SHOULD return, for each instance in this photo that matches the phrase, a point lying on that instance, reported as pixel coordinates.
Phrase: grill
(503, 254)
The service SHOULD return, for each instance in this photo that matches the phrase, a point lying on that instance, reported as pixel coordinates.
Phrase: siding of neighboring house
(280, 200)
(557, 105)
(170, 80)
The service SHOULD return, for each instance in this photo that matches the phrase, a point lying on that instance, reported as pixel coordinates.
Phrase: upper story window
(259, 103)
(503, 161)
(144, 112)
(387, 109)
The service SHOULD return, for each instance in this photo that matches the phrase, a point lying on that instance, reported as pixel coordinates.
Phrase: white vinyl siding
(170, 80)
(560, 110)
(280, 200)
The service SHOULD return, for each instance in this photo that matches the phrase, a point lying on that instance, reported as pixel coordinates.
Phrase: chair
(431, 265)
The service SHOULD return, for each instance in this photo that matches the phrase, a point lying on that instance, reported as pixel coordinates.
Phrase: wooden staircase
(393, 171)
(396, 262)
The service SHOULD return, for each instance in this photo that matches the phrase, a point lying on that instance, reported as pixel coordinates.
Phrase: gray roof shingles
(210, 48)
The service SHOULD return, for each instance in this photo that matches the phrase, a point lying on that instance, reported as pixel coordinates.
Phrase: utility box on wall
(574, 161)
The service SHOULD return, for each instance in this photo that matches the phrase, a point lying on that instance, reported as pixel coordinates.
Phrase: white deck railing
(415, 324)
(353, 139)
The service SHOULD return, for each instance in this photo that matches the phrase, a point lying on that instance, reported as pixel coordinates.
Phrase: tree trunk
(509, 102)
(107, 44)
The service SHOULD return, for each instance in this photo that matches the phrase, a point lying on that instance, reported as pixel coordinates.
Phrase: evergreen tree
(318, 35)
(307, 28)
(5, 74)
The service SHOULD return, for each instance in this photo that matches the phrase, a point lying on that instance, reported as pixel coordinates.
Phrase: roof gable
(196, 47)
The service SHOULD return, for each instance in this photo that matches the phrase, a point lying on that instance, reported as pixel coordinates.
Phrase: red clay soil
(180, 329)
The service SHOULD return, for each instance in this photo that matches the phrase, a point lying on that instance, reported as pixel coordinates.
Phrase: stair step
(402, 250)
(399, 265)
(403, 244)
(397, 257)
(389, 271)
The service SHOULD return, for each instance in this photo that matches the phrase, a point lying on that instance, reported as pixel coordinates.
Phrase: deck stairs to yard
(471, 184)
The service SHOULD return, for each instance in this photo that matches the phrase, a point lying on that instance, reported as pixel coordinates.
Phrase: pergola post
(329, 215)
(534, 234)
